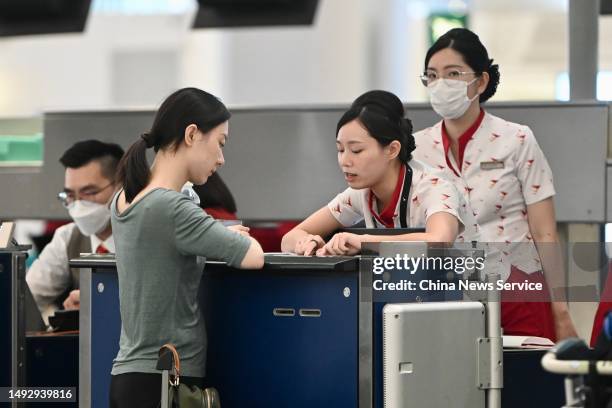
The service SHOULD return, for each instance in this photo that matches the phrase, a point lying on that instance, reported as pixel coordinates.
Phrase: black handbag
(177, 395)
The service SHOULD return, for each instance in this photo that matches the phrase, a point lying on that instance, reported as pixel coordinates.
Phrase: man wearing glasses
(89, 183)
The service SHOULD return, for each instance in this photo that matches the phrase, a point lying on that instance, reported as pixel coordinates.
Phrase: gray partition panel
(281, 163)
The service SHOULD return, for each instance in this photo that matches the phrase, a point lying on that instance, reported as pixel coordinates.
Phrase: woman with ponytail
(387, 188)
(160, 235)
(504, 176)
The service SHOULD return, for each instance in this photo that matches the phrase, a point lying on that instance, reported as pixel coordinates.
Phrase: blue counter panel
(257, 359)
(105, 330)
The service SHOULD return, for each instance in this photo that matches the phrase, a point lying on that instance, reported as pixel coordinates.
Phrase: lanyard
(403, 199)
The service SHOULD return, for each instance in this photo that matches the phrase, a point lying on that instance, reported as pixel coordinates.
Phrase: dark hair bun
(382, 114)
(493, 72)
(382, 101)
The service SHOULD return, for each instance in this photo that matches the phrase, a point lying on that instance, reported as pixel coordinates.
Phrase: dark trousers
(141, 390)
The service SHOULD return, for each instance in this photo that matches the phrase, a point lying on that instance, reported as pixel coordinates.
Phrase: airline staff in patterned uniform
(375, 143)
(501, 171)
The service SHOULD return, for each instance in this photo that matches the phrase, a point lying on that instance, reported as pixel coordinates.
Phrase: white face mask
(449, 98)
(190, 192)
(89, 217)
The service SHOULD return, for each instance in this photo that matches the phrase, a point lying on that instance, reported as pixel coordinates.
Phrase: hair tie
(147, 139)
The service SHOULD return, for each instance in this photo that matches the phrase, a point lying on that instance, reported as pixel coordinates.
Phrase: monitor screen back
(430, 353)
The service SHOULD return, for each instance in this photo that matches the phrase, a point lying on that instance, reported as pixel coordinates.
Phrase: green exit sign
(21, 151)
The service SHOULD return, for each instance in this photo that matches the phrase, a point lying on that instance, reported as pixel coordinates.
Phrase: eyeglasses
(68, 197)
(429, 77)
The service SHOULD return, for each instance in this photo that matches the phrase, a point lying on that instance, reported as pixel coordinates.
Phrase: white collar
(109, 243)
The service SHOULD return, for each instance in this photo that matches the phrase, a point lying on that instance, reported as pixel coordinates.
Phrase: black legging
(141, 390)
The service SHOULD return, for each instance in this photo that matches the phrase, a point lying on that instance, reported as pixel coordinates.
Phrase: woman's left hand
(241, 229)
(343, 243)
(564, 326)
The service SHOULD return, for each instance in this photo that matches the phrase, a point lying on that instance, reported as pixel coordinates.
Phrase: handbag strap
(176, 362)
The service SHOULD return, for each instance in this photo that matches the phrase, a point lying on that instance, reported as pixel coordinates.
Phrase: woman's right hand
(308, 245)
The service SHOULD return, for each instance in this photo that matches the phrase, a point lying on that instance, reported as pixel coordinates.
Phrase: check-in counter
(12, 328)
(301, 332)
(30, 359)
(286, 335)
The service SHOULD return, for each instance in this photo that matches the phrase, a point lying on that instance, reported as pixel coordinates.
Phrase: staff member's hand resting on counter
(387, 187)
(159, 234)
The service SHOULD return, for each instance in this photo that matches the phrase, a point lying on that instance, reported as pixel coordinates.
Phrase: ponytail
(134, 172)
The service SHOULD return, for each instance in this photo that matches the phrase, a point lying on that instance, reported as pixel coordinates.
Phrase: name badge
(491, 165)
